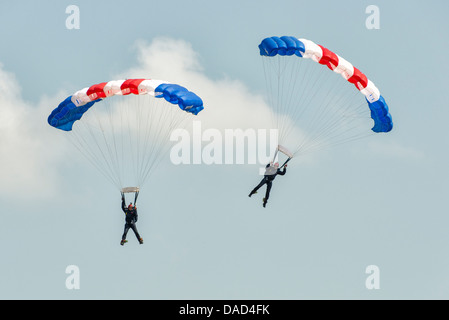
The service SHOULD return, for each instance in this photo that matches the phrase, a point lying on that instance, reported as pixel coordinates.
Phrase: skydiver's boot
(264, 202)
(252, 192)
(140, 240)
(123, 242)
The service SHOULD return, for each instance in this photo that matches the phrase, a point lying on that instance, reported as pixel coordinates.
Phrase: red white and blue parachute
(123, 127)
(74, 106)
(314, 96)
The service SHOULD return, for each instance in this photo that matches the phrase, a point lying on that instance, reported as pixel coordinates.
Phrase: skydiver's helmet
(130, 207)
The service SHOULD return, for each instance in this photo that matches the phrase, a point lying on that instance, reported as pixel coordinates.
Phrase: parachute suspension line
(155, 117)
(291, 83)
(350, 109)
(287, 83)
(75, 139)
(317, 112)
(275, 89)
(309, 98)
(147, 151)
(121, 139)
(268, 84)
(143, 133)
(141, 128)
(161, 132)
(331, 133)
(97, 156)
(318, 121)
(304, 100)
(108, 134)
(122, 118)
(174, 118)
(108, 153)
(146, 122)
(86, 147)
(141, 122)
(326, 124)
(280, 79)
(132, 132)
(114, 151)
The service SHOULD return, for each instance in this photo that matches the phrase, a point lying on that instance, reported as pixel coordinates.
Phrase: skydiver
(130, 221)
(272, 170)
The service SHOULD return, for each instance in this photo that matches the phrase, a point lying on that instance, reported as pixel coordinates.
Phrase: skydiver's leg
(267, 193)
(125, 232)
(133, 226)
(264, 180)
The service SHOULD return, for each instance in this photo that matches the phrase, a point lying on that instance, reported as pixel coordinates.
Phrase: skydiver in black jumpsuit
(130, 221)
(271, 172)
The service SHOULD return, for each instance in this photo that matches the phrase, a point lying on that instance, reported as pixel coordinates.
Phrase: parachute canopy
(73, 108)
(301, 94)
(127, 134)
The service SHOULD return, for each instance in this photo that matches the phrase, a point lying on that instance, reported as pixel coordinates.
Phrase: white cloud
(25, 152)
(228, 103)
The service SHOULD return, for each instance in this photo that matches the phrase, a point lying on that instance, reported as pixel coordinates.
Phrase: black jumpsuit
(130, 220)
(268, 179)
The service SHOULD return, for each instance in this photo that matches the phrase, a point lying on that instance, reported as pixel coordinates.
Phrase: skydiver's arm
(123, 204)
(282, 172)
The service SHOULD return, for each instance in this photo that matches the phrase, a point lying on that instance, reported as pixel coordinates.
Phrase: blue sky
(379, 201)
